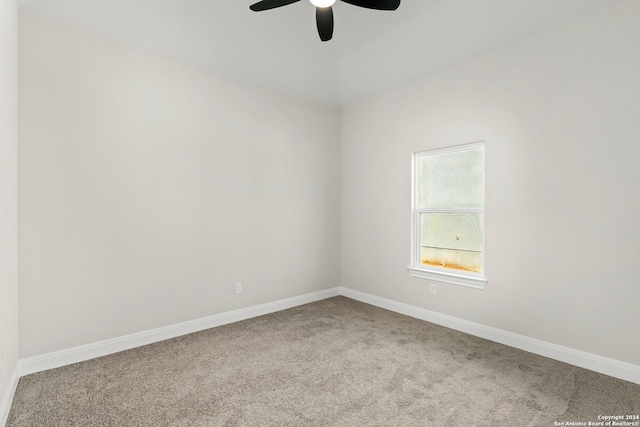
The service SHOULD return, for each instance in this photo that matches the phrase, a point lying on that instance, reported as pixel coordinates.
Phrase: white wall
(149, 187)
(8, 192)
(559, 114)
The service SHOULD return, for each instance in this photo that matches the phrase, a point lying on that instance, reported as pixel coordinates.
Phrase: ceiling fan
(324, 12)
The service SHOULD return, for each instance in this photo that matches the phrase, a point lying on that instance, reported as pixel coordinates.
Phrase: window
(448, 215)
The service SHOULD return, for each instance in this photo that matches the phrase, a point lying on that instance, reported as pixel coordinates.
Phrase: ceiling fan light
(322, 3)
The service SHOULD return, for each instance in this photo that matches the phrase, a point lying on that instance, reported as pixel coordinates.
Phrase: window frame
(445, 275)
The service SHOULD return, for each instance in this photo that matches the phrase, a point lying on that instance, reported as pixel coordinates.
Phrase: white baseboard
(593, 362)
(102, 348)
(5, 406)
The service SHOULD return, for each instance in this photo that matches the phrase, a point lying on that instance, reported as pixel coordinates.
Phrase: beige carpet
(337, 362)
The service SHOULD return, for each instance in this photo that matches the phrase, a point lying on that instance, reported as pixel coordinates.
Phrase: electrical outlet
(433, 288)
(238, 288)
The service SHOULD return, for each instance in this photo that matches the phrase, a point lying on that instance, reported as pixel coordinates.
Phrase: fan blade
(375, 4)
(270, 4)
(324, 20)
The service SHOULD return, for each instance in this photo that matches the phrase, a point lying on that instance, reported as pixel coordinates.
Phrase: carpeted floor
(337, 362)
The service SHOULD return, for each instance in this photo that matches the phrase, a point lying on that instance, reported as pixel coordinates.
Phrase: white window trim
(468, 279)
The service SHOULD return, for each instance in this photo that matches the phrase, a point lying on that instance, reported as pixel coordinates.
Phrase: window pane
(451, 240)
(453, 180)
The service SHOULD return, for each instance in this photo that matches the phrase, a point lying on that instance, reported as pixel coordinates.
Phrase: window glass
(452, 180)
(451, 240)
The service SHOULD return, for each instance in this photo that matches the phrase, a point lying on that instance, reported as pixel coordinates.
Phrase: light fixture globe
(322, 3)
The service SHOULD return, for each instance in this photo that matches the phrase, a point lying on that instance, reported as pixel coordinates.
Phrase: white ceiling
(371, 51)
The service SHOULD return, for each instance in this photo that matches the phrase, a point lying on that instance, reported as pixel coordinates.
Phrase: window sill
(451, 278)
